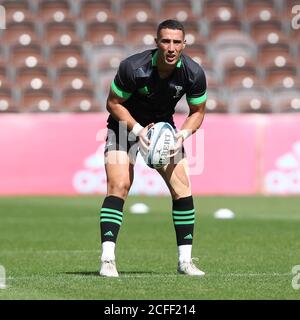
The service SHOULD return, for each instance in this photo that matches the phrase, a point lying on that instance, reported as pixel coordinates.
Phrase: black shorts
(119, 138)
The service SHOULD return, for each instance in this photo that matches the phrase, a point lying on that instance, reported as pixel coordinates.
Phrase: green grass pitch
(50, 249)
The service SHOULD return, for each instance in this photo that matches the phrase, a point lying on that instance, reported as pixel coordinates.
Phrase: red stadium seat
(104, 34)
(75, 78)
(32, 78)
(108, 60)
(193, 35)
(240, 76)
(19, 33)
(66, 56)
(219, 11)
(141, 34)
(30, 56)
(254, 100)
(286, 100)
(285, 76)
(137, 11)
(63, 33)
(215, 102)
(256, 10)
(4, 80)
(218, 28)
(198, 53)
(236, 67)
(17, 11)
(259, 30)
(97, 11)
(178, 10)
(271, 37)
(40, 100)
(7, 103)
(274, 54)
(79, 101)
(54, 10)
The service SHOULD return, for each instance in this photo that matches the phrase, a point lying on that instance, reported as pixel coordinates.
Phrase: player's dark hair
(170, 24)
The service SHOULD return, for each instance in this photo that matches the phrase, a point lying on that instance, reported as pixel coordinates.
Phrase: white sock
(108, 250)
(185, 253)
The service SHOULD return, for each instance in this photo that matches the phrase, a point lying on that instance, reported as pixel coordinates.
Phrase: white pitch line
(47, 251)
(125, 275)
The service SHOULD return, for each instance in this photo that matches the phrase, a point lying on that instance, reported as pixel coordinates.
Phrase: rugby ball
(162, 140)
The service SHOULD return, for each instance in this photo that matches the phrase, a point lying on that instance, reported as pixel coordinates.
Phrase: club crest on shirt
(178, 90)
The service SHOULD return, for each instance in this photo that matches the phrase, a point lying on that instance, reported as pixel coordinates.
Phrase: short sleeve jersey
(150, 98)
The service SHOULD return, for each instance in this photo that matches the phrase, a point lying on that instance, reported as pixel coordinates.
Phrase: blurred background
(58, 58)
(62, 55)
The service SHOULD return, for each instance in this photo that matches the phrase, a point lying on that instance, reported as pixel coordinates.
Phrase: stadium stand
(17, 11)
(37, 100)
(7, 103)
(65, 53)
(54, 11)
(137, 11)
(79, 101)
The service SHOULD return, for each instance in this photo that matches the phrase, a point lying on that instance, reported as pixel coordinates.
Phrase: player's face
(170, 44)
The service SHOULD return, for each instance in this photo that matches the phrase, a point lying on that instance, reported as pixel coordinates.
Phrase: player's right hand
(143, 140)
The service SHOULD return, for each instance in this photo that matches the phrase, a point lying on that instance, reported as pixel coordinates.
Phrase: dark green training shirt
(151, 98)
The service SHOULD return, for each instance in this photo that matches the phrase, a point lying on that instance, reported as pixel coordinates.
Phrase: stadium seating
(7, 103)
(19, 33)
(30, 56)
(54, 11)
(17, 11)
(66, 56)
(61, 47)
(286, 100)
(76, 78)
(141, 34)
(40, 100)
(249, 100)
(79, 101)
(215, 102)
(4, 80)
(32, 77)
(137, 11)
(97, 11)
(176, 9)
(63, 33)
(105, 34)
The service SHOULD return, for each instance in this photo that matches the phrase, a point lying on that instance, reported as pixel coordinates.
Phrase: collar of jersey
(154, 60)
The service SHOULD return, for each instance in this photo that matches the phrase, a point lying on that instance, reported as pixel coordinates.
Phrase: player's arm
(194, 120)
(114, 106)
(118, 111)
(196, 99)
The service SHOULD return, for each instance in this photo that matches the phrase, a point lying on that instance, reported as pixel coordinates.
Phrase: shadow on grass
(121, 273)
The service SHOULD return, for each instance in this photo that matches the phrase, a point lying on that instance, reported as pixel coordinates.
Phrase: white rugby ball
(162, 140)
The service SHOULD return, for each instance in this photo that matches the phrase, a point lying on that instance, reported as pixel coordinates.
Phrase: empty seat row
(239, 100)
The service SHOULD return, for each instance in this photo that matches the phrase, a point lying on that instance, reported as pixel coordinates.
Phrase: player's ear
(184, 43)
(156, 41)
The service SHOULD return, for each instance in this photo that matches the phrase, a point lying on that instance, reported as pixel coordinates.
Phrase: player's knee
(180, 193)
(120, 188)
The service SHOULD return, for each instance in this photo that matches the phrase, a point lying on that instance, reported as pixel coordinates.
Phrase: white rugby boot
(108, 268)
(188, 268)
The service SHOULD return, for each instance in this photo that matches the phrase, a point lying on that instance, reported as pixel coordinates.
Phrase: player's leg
(176, 176)
(120, 155)
(119, 172)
